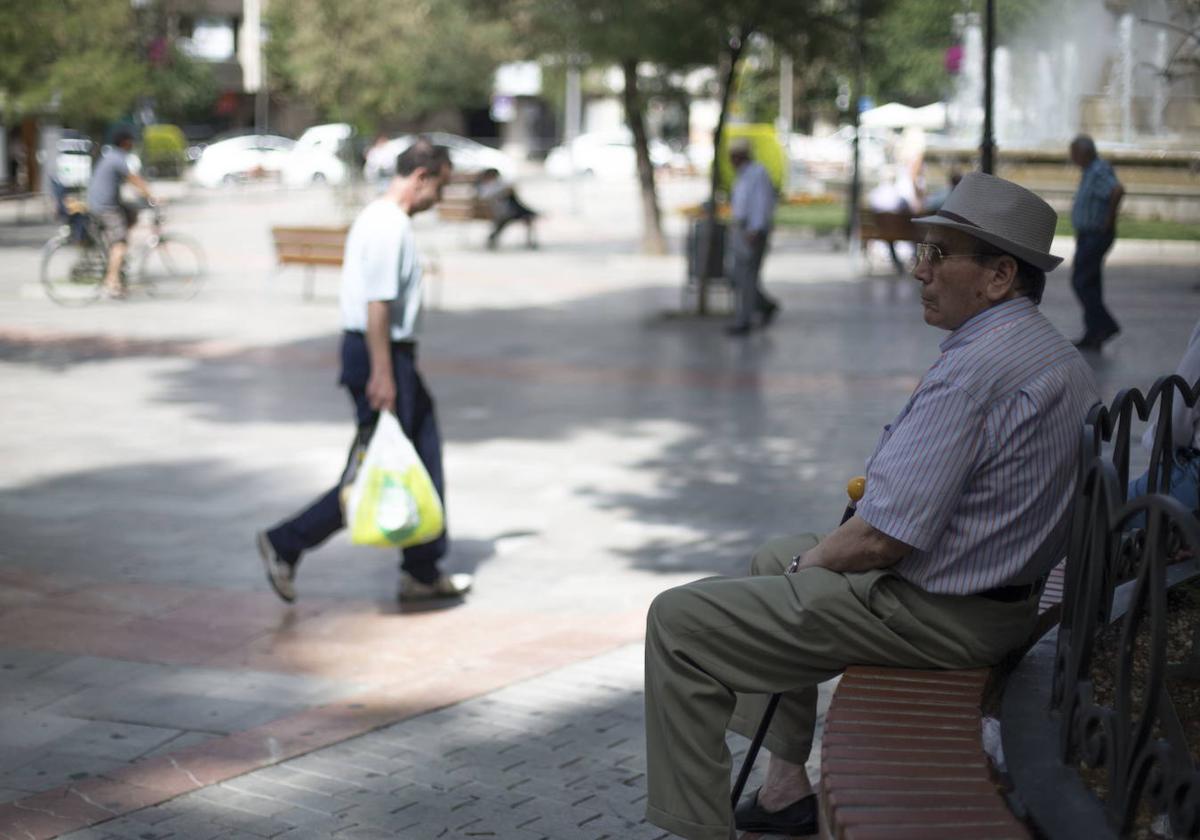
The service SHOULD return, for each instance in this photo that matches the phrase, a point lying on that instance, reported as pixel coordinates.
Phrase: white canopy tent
(899, 116)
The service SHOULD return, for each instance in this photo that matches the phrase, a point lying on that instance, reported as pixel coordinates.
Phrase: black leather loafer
(799, 818)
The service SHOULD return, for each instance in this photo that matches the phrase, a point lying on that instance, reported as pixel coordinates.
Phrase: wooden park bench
(886, 227)
(309, 246)
(460, 202)
(314, 246)
(902, 754)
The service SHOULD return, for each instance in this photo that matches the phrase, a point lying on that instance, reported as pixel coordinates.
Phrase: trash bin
(698, 237)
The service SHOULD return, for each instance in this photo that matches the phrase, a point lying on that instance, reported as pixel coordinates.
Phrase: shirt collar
(989, 319)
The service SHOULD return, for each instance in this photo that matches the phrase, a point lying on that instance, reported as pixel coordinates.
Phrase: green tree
(182, 88)
(362, 61)
(79, 59)
(669, 34)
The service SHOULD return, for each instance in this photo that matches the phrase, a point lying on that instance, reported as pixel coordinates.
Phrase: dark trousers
(746, 269)
(415, 410)
(1087, 281)
(512, 210)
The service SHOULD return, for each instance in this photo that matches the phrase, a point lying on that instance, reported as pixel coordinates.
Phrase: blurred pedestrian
(381, 309)
(1184, 446)
(935, 200)
(505, 207)
(752, 203)
(1094, 217)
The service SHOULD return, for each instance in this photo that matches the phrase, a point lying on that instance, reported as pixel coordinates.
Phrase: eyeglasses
(927, 251)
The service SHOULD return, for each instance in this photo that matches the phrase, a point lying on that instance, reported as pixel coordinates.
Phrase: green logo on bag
(397, 514)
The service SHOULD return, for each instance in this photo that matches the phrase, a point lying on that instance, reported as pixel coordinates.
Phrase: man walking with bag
(381, 309)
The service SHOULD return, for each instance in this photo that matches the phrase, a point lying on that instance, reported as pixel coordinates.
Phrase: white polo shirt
(381, 262)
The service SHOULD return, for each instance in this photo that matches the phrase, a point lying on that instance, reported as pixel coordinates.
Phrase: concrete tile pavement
(597, 453)
(557, 756)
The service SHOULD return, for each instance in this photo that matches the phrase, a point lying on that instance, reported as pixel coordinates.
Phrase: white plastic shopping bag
(392, 500)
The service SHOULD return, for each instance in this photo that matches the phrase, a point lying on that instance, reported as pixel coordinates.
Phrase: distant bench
(886, 227)
(313, 246)
(460, 203)
(309, 246)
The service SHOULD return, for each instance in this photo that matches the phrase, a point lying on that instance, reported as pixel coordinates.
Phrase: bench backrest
(892, 227)
(1122, 722)
(310, 245)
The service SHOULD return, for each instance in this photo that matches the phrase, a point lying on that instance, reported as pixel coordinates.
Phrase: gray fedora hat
(1003, 214)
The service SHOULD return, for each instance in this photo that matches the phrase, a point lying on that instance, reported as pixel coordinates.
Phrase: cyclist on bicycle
(104, 202)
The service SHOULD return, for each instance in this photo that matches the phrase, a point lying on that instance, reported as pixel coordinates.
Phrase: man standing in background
(753, 205)
(1094, 217)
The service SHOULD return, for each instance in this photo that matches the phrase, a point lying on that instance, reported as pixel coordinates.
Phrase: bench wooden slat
(851, 738)
(1011, 831)
(909, 784)
(309, 258)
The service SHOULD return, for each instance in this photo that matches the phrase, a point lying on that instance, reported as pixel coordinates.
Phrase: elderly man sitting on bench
(965, 512)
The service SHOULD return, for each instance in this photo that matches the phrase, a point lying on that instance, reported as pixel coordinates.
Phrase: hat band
(954, 217)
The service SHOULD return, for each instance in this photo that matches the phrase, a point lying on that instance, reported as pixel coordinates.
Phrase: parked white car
(607, 154)
(466, 155)
(242, 158)
(318, 157)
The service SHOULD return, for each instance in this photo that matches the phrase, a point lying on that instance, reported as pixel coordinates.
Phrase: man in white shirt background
(381, 312)
(753, 205)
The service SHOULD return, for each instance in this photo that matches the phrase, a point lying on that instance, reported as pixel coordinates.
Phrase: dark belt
(1013, 594)
(406, 344)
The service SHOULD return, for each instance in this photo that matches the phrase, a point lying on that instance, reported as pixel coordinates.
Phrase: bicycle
(74, 262)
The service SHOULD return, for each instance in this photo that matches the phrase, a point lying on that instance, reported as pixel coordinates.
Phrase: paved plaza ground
(600, 447)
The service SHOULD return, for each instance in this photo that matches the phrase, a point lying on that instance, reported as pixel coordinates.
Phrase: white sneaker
(446, 586)
(280, 573)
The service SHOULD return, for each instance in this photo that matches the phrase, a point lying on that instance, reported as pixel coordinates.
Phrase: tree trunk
(652, 235)
(731, 58)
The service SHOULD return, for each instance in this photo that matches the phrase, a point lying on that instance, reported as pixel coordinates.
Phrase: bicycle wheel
(73, 272)
(173, 268)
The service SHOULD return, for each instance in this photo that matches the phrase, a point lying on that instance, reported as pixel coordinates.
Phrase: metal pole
(987, 149)
(572, 125)
(856, 93)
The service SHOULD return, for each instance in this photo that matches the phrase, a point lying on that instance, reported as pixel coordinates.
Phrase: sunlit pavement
(599, 449)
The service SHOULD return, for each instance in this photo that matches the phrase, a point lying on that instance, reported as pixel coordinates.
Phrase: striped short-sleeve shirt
(978, 470)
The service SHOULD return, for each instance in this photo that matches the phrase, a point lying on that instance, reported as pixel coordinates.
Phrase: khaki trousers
(722, 643)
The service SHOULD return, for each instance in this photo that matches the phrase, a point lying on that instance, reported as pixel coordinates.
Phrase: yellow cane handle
(856, 487)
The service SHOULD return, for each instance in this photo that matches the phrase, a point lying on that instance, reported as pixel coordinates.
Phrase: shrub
(163, 150)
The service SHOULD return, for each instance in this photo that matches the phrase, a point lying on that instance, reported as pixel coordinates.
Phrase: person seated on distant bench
(934, 201)
(506, 207)
(1185, 439)
(896, 193)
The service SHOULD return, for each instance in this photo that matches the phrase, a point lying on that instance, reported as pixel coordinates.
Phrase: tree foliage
(364, 61)
(77, 58)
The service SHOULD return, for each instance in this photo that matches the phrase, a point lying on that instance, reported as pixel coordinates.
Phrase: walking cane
(854, 489)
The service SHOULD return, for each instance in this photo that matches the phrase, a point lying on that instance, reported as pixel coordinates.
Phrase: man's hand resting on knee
(855, 547)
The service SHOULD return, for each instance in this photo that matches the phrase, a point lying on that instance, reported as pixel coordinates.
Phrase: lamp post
(856, 92)
(987, 149)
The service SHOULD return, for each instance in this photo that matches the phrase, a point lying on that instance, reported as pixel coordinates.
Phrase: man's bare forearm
(379, 338)
(855, 547)
(139, 184)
